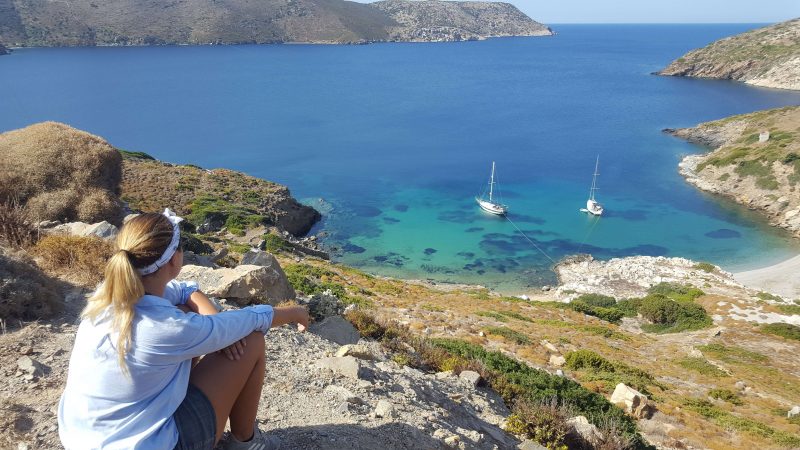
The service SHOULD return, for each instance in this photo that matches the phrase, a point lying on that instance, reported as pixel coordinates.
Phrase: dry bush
(26, 293)
(66, 166)
(76, 258)
(15, 229)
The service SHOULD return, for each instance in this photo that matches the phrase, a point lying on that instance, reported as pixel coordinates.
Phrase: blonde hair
(140, 242)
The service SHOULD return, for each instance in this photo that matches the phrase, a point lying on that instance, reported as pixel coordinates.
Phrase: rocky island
(636, 352)
(152, 22)
(768, 57)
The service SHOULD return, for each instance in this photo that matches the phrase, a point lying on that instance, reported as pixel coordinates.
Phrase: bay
(392, 141)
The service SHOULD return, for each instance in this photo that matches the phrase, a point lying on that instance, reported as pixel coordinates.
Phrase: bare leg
(233, 387)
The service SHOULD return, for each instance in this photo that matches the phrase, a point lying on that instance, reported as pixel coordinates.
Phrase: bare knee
(255, 341)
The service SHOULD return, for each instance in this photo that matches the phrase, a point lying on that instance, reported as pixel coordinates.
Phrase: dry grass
(26, 293)
(81, 260)
(62, 173)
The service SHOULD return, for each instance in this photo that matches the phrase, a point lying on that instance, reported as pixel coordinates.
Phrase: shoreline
(777, 278)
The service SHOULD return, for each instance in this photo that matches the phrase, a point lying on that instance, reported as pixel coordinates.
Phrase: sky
(658, 11)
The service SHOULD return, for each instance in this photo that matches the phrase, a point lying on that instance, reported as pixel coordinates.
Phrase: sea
(392, 142)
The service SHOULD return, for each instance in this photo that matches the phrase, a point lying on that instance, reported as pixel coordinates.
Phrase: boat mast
(594, 179)
(491, 183)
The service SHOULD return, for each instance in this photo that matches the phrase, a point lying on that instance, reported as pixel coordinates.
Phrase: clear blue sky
(658, 11)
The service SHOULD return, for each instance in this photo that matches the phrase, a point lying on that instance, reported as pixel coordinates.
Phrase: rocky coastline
(750, 160)
(767, 57)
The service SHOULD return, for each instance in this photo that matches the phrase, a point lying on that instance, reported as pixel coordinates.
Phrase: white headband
(171, 248)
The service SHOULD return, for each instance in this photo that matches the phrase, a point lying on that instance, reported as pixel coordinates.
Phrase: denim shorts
(196, 421)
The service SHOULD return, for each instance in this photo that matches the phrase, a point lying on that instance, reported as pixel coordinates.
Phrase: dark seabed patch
(634, 215)
(392, 258)
(457, 216)
(526, 219)
(724, 233)
(468, 255)
(401, 208)
(352, 248)
(366, 211)
(391, 220)
(430, 268)
(430, 251)
(473, 229)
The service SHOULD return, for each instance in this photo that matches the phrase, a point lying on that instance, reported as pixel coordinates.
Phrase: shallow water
(397, 139)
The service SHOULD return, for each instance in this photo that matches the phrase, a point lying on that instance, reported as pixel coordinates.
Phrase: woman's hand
(235, 350)
(290, 314)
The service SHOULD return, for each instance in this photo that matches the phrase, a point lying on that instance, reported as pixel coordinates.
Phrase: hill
(153, 22)
(768, 57)
(755, 160)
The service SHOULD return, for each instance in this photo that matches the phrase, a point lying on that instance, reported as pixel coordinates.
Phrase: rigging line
(588, 233)
(529, 240)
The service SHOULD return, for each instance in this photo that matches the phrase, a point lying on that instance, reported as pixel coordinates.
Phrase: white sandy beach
(782, 279)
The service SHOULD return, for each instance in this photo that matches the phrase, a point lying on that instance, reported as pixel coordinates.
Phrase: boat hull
(592, 207)
(492, 208)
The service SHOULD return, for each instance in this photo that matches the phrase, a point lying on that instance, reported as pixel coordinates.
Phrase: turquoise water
(397, 139)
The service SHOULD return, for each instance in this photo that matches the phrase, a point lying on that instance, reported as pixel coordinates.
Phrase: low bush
(702, 366)
(76, 258)
(508, 333)
(544, 421)
(274, 243)
(598, 368)
(704, 266)
(15, 229)
(603, 301)
(726, 395)
(676, 291)
(792, 310)
(311, 280)
(671, 316)
(237, 219)
(733, 354)
(785, 330)
(767, 296)
(493, 315)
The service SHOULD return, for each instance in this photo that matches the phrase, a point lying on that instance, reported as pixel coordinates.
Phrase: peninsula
(768, 57)
(26, 23)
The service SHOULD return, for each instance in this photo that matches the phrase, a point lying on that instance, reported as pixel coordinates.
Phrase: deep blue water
(397, 139)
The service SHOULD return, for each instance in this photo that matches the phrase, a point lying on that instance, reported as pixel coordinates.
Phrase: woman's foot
(259, 441)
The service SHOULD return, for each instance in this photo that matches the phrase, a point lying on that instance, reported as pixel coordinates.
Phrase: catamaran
(592, 205)
(490, 205)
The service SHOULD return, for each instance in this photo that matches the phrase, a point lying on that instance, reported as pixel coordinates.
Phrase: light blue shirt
(103, 408)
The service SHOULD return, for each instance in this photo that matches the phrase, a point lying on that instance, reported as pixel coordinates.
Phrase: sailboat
(592, 205)
(490, 205)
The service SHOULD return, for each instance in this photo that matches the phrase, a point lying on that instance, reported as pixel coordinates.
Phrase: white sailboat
(592, 205)
(490, 205)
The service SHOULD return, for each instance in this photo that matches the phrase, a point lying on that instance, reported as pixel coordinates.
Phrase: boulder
(384, 409)
(343, 394)
(102, 230)
(530, 445)
(259, 258)
(586, 431)
(321, 306)
(30, 367)
(193, 259)
(242, 284)
(470, 377)
(357, 351)
(346, 365)
(557, 360)
(336, 329)
(634, 402)
(794, 412)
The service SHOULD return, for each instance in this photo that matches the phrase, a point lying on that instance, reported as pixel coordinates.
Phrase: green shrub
(612, 373)
(311, 280)
(676, 291)
(544, 421)
(600, 300)
(135, 155)
(660, 309)
(702, 366)
(733, 354)
(236, 218)
(785, 330)
(492, 314)
(704, 266)
(516, 315)
(789, 309)
(670, 316)
(726, 395)
(508, 333)
(767, 296)
(587, 359)
(275, 243)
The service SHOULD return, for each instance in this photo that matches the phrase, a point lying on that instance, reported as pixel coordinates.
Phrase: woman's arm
(200, 303)
(290, 314)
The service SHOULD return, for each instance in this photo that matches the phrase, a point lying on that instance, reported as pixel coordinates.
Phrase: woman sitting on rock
(132, 383)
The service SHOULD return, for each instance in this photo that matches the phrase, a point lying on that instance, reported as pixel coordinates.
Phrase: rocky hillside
(755, 160)
(3, 50)
(152, 22)
(432, 20)
(768, 57)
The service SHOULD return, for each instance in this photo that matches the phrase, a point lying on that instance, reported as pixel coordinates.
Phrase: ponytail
(140, 242)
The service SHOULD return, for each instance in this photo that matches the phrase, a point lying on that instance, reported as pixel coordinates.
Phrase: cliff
(755, 160)
(768, 57)
(152, 22)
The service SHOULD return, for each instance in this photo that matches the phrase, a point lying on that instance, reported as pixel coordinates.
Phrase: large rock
(794, 412)
(346, 366)
(586, 431)
(633, 401)
(102, 229)
(242, 284)
(336, 329)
